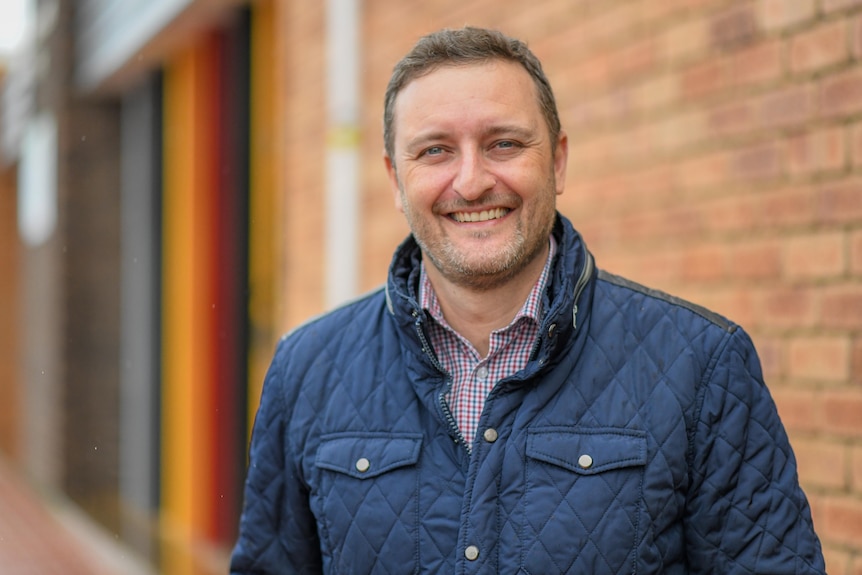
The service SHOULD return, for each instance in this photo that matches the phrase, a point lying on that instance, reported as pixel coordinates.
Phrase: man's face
(475, 172)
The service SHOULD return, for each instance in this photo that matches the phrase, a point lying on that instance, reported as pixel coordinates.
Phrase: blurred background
(183, 181)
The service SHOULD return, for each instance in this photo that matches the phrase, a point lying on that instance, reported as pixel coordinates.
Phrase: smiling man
(503, 406)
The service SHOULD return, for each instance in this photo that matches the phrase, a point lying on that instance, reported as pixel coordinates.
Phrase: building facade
(189, 179)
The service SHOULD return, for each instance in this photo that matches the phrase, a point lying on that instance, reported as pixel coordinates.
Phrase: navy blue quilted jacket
(639, 439)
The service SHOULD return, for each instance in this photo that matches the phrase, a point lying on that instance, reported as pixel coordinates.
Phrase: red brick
(786, 307)
(702, 172)
(825, 45)
(838, 561)
(734, 27)
(856, 253)
(676, 133)
(732, 214)
(655, 93)
(787, 107)
(799, 408)
(856, 37)
(683, 222)
(756, 163)
(706, 79)
(735, 117)
(758, 64)
(652, 12)
(644, 226)
(655, 268)
(834, 5)
(840, 202)
(856, 145)
(736, 303)
(756, 260)
(841, 520)
(856, 363)
(819, 255)
(635, 59)
(856, 469)
(779, 14)
(788, 207)
(770, 350)
(841, 410)
(686, 41)
(816, 152)
(822, 464)
(704, 263)
(824, 359)
(841, 307)
(841, 94)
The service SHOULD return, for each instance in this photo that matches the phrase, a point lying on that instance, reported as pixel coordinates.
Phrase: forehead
(486, 87)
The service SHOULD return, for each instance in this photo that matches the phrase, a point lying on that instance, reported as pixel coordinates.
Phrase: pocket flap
(367, 455)
(588, 451)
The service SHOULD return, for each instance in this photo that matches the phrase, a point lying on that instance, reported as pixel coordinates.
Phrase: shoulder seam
(703, 312)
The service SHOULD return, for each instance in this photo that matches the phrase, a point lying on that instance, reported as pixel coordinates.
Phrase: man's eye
(433, 151)
(506, 144)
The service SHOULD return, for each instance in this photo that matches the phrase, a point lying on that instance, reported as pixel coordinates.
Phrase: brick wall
(716, 153)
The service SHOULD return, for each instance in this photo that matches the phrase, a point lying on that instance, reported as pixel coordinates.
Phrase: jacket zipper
(583, 280)
(444, 405)
(582, 284)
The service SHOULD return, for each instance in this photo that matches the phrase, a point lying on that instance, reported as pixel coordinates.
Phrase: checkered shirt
(473, 377)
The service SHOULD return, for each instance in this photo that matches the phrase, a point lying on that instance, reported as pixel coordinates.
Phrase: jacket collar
(567, 295)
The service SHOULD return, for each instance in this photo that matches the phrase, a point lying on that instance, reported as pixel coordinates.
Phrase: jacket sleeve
(746, 512)
(277, 532)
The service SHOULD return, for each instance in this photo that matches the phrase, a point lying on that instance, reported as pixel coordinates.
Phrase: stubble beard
(488, 270)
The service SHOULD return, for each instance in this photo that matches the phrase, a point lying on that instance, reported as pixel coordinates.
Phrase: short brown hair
(465, 46)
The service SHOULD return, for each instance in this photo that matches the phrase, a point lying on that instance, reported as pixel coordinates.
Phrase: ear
(393, 181)
(561, 159)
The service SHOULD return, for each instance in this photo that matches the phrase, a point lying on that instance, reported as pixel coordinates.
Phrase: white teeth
(482, 216)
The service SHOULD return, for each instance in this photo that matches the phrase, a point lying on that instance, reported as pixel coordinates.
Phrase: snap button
(490, 435)
(362, 465)
(552, 329)
(482, 373)
(471, 553)
(585, 461)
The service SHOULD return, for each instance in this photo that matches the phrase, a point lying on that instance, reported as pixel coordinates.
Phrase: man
(502, 406)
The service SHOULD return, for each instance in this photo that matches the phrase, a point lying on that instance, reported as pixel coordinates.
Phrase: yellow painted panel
(266, 125)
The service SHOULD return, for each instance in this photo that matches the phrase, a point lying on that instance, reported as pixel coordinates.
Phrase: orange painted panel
(189, 290)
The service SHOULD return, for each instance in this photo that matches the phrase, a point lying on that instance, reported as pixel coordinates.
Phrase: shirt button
(490, 435)
(482, 373)
(362, 465)
(471, 553)
(585, 461)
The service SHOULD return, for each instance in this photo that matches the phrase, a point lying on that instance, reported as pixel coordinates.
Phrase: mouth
(483, 216)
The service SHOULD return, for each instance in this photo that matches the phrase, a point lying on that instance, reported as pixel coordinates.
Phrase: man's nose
(473, 178)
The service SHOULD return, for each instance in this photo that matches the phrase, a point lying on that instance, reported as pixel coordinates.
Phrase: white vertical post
(342, 158)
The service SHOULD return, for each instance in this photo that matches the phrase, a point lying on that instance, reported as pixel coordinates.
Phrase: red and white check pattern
(473, 377)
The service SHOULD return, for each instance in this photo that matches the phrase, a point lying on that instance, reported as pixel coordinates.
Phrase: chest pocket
(367, 500)
(584, 493)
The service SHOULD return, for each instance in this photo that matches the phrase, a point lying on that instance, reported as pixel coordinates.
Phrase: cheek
(424, 188)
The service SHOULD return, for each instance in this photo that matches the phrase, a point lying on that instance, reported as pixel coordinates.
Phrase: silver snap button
(362, 465)
(490, 435)
(585, 461)
(471, 553)
(482, 373)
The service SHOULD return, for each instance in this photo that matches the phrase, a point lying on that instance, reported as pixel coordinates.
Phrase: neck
(475, 313)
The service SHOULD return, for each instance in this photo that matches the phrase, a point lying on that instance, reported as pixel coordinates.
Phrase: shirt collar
(531, 309)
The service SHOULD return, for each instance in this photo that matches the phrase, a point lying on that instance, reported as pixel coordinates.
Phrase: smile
(482, 216)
